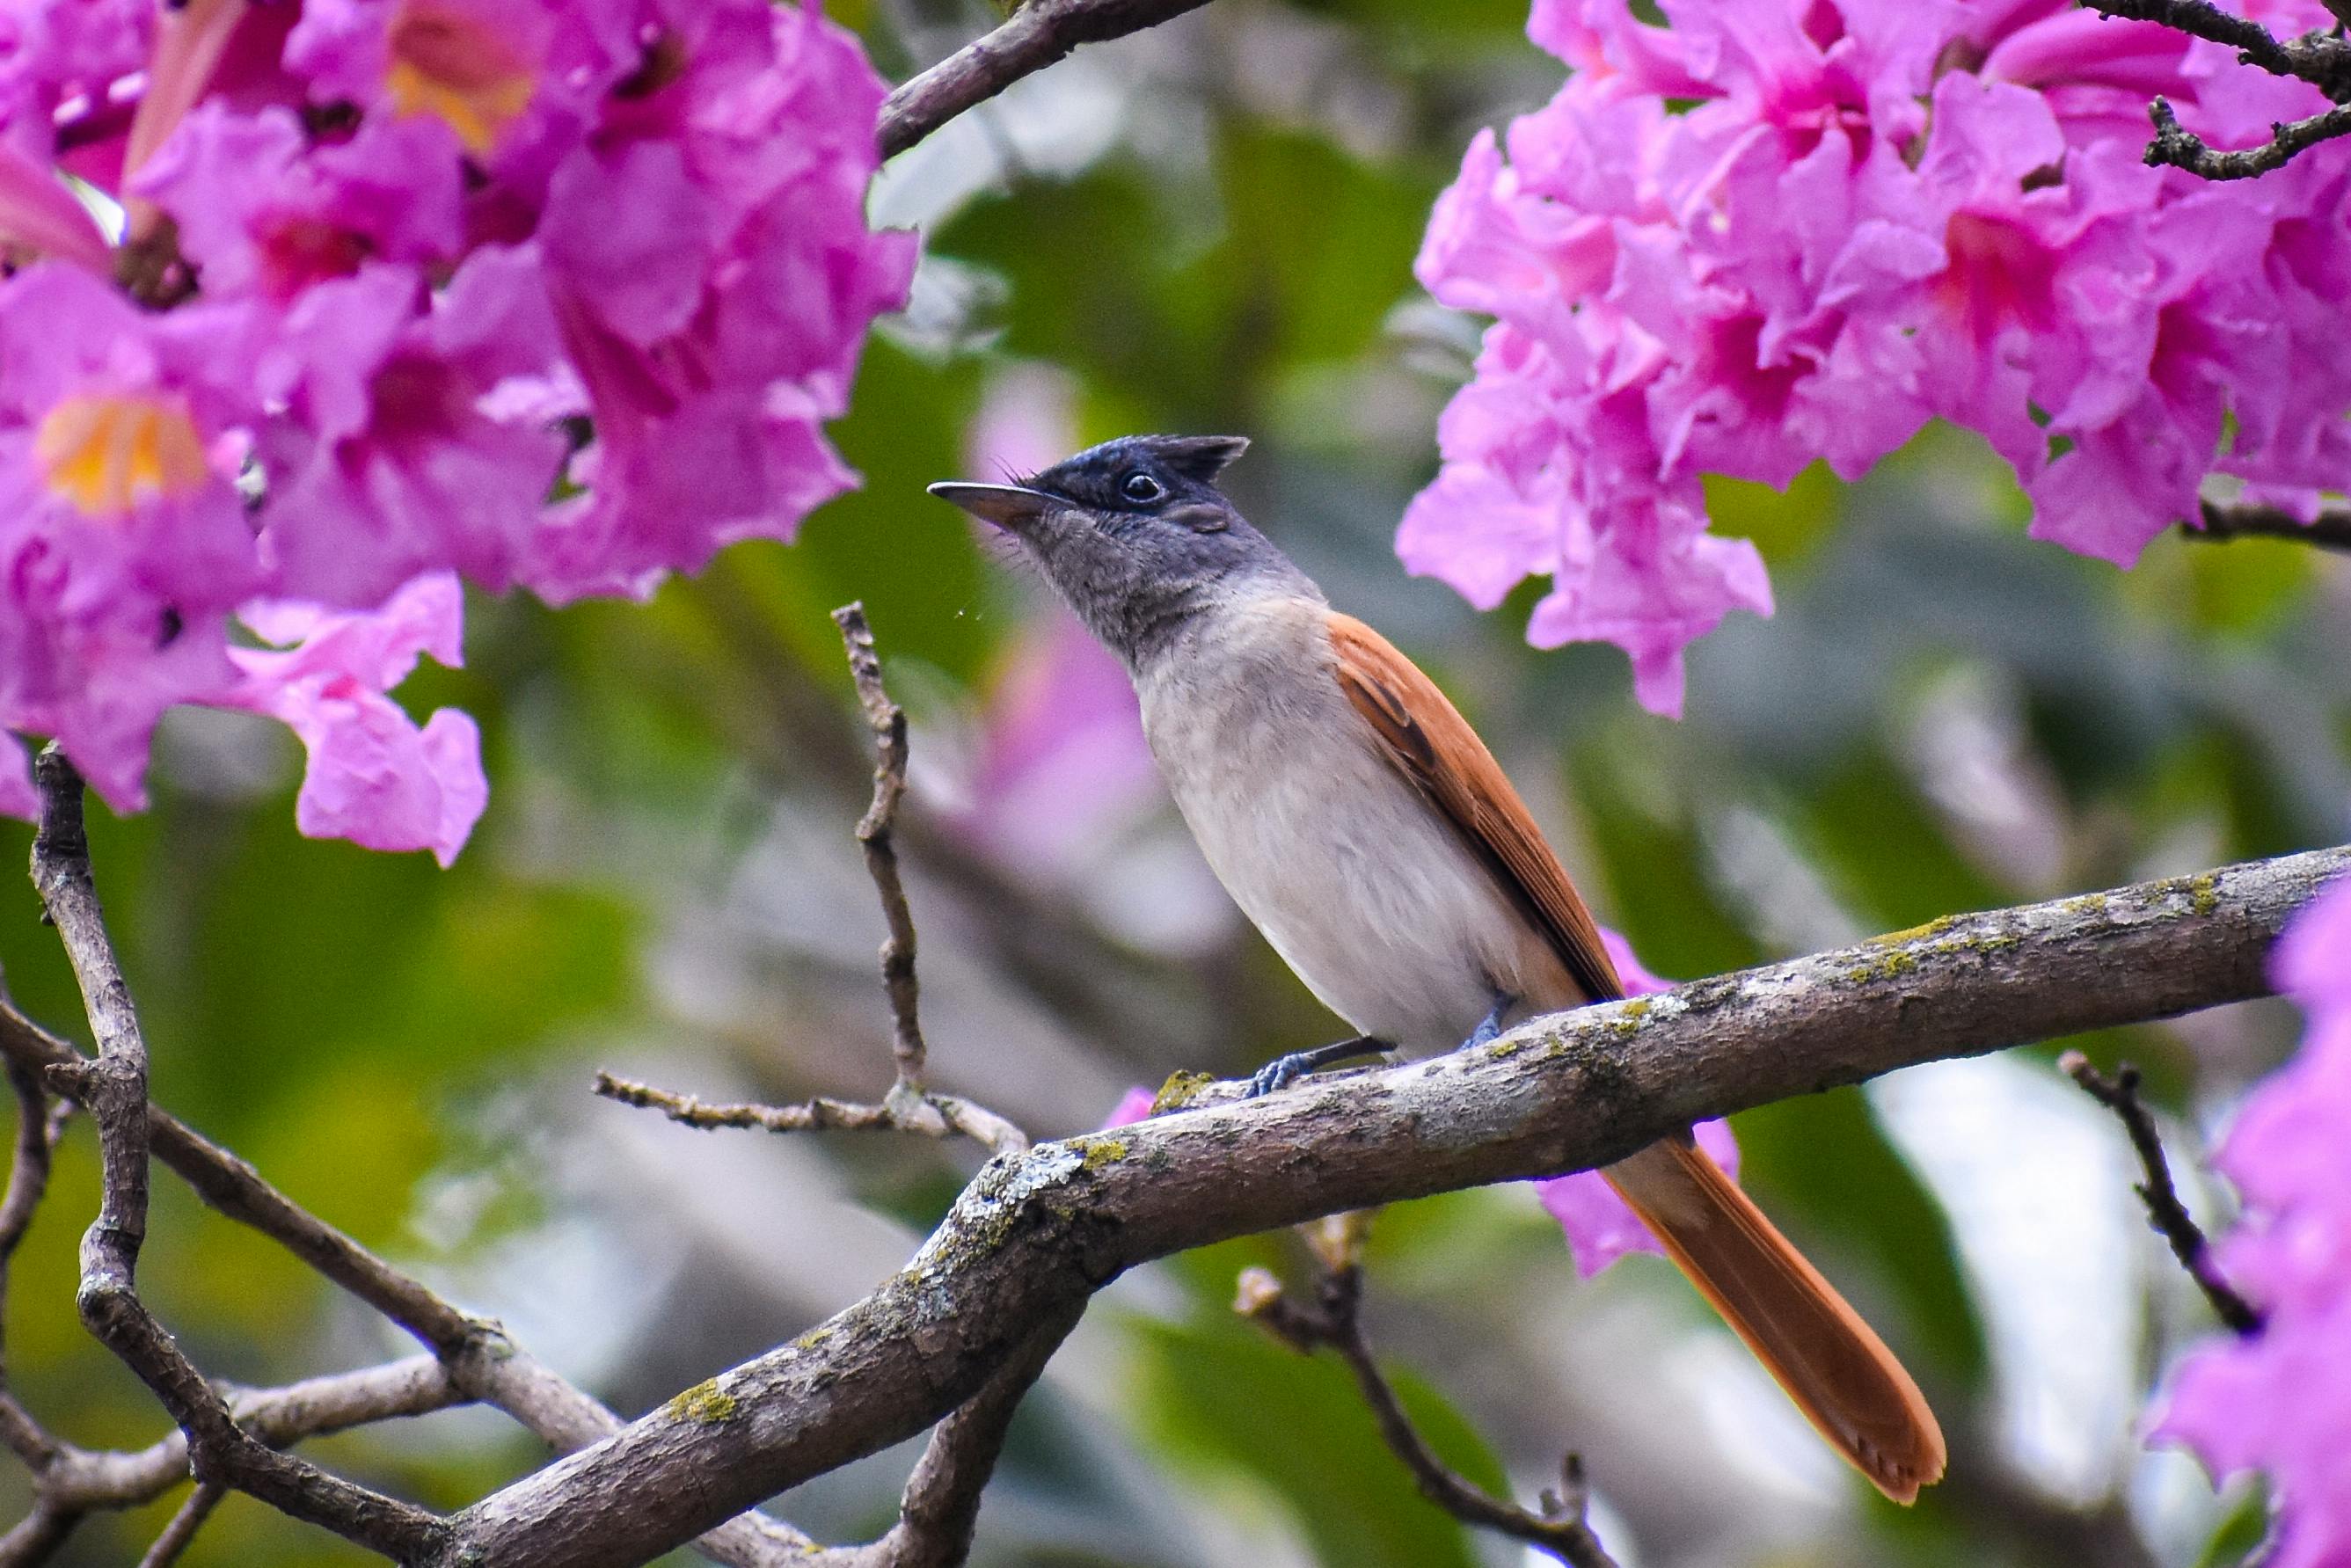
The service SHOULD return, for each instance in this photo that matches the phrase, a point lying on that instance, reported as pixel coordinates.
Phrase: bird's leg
(1284, 1071)
(1487, 1033)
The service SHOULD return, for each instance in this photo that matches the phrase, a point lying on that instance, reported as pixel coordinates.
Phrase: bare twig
(28, 1183)
(2317, 58)
(911, 1106)
(182, 1530)
(113, 1089)
(873, 836)
(2165, 1212)
(2183, 149)
(1037, 34)
(1334, 1319)
(2331, 529)
(1036, 1232)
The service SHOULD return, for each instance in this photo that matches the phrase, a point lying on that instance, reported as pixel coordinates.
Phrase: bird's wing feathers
(1433, 744)
(1839, 1373)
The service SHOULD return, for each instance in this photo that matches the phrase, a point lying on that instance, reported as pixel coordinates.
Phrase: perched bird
(1366, 831)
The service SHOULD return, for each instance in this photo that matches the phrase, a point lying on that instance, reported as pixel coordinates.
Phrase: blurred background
(1208, 228)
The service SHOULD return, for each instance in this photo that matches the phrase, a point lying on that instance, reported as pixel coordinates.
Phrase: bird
(1367, 832)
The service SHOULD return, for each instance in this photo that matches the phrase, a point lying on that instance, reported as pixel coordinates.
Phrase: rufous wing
(1834, 1367)
(1427, 737)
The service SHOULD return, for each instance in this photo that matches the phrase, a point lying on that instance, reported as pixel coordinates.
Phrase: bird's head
(1135, 534)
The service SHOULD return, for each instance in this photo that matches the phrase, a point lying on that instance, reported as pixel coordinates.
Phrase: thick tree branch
(1036, 35)
(1037, 1233)
(2165, 1212)
(2331, 529)
(1334, 1319)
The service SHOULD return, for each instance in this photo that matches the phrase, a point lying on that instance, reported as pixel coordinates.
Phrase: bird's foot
(1486, 1033)
(1283, 1070)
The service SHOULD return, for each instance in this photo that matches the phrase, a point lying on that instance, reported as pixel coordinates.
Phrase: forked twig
(1335, 1319)
(911, 1105)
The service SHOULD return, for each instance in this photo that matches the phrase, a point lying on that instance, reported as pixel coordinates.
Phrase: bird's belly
(1364, 890)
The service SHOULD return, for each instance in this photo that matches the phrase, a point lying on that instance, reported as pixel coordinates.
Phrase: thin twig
(2322, 59)
(1036, 35)
(911, 1106)
(28, 1182)
(2315, 58)
(182, 1530)
(2165, 1212)
(113, 1089)
(873, 836)
(2182, 148)
(1335, 1321)
(2330, 530)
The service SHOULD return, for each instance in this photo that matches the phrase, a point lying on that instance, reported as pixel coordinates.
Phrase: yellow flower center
(449, 66)
(108, 452)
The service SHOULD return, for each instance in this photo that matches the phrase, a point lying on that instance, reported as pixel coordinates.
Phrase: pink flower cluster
(2279, 1401)
(548, 293)
(1783, 230)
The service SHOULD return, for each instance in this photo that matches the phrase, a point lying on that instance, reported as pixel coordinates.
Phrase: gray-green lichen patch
(985, 1215)
(705, 1403)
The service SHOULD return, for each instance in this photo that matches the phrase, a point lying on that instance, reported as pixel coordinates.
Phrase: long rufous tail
(1837, 1370)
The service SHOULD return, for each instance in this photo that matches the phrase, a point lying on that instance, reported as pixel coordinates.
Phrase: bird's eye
(1141, 488)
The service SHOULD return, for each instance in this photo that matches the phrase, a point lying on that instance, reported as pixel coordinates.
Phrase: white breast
(1357, 881)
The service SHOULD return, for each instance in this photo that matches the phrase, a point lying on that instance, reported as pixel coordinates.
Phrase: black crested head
(1136, 536)
(1145, 473)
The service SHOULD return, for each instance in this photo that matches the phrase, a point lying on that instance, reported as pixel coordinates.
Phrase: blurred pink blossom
(548, 293)
(1600, 1226)
(1783, 230)
(1132, 1106)
(1063, 760)
(2277, 1401)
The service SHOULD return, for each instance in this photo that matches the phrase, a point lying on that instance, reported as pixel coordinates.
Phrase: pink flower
(2278, 1401)
(1062, 760)
(391, 459)
(1600, 1228)
(373, 777)
(122, 539)
(1783, 230)
(262, 210)
(712, 278)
